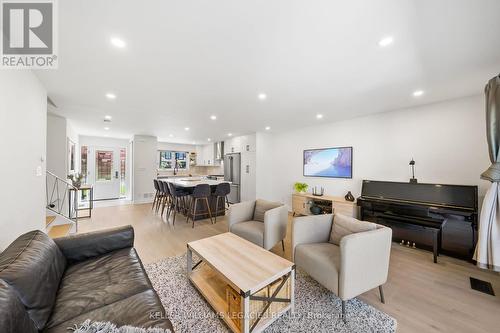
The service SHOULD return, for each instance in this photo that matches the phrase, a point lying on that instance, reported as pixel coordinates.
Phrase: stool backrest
(172, 190)
(155, 183)
(222, 189)
(201, 191)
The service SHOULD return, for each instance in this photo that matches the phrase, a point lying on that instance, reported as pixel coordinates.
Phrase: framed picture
(328, 162)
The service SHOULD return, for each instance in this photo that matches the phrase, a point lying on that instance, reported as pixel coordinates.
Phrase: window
(104, 163)
(123, 160)
(169, 158)
(83, 163)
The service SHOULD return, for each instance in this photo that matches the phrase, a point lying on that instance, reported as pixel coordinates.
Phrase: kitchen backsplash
(195, 170)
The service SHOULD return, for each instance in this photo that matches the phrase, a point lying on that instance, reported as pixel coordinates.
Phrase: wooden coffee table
(247, 286)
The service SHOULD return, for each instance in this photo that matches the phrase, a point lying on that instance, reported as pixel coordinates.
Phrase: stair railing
(59, 190)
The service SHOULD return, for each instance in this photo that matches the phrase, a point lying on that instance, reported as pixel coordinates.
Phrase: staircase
(62, 217)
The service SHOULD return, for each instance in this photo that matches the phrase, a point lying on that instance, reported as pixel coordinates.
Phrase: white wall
(176, 146)
(144, 167)
(23, 112)
(56, 145)
(264, 165)
(447, 141)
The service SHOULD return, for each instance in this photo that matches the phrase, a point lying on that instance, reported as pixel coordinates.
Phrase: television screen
(329, 162)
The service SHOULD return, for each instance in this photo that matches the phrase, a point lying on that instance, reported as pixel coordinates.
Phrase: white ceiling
(186, 60)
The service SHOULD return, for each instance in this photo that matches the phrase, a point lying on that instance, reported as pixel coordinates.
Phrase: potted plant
(300, 187)
(76, 179)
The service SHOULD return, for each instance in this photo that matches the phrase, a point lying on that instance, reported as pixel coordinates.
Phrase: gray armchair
(359, 263)
(260, 222)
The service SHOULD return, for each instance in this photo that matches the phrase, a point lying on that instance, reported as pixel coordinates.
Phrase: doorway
(106, 169)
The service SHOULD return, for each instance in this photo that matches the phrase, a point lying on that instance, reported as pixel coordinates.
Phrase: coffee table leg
(189, 261)
(292, 290)
(245, 311)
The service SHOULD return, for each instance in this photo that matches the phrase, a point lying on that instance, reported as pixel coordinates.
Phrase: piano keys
(438, 216)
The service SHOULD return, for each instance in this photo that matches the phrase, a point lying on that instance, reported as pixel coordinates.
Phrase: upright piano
(438, 216)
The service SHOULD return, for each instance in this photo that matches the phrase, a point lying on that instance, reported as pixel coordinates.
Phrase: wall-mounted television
(328, 162)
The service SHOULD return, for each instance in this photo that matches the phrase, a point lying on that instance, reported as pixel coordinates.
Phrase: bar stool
(157, 193)
(166, 198)
(221, 192)
(200, 192)
(177, 201)
(161, 195)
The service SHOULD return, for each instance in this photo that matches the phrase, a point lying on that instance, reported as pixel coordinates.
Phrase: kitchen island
(188, 184)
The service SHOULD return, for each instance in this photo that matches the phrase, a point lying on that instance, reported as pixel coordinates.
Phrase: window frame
(169, 157)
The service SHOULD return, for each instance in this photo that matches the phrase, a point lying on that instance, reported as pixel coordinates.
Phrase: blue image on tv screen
(330, 162)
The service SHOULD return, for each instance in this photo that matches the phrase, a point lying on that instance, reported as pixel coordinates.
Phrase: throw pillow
(345, 225)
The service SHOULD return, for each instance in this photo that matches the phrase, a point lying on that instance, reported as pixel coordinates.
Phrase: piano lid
(462, 196)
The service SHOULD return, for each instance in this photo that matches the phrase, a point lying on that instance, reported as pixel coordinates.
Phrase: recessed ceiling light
(319, 116)
(171, 135)
(262, 96)
(110, 96)
(209, 139)
(213, 117)
(106, 128)
(194, 142)
(386, 41)
(186, 128)
(107, 117)
(229, 134)
(418, 93)
(268, 128)
(120, 43)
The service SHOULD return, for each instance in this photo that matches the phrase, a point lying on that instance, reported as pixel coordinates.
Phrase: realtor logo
(29, 34)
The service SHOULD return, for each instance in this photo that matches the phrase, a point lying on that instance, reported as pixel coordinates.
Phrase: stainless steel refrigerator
(232, 173)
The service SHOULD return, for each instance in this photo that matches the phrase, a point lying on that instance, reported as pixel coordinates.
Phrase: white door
(104, 172)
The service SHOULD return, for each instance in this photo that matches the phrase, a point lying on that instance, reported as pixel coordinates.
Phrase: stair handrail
(67, 186)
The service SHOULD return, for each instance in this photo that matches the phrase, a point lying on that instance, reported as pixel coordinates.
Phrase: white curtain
(487, 253)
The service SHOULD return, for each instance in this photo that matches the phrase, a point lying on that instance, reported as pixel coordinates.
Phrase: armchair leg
(382, 299)
(283, 245)
(343, 312)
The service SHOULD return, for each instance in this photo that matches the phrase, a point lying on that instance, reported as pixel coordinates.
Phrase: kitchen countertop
(193, 181)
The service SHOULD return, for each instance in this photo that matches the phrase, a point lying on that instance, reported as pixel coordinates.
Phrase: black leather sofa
(49, 285)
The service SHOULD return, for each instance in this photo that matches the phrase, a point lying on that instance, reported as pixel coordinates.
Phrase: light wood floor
(422, 296)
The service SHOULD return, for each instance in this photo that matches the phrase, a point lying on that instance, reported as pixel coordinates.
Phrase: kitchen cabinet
(240, 144)
(247, 143)
(248, 176)
(205, 155)
(232, 145)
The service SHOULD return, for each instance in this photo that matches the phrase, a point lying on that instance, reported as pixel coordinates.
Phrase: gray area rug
(316, 308)
(89, 326)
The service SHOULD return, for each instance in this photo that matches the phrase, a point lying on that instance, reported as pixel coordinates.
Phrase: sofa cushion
(261, 207)
(321, 261)
(346, 225)
(252, 231)
(13, 315)
(98, 282)
(140, 310)
(33, 265)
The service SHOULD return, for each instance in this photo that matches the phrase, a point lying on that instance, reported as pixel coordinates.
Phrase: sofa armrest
(311, 229)
(364, 261)
(275, 222)
(240, 212)
(92, 244)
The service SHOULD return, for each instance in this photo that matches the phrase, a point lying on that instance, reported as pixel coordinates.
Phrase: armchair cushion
(261, 206)
(345, 225)
(252, 231)
(321, 261)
